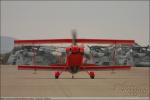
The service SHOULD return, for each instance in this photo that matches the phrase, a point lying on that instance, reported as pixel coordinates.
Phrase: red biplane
(74, 56)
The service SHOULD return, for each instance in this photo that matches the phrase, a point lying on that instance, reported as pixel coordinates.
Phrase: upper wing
(55, 67)
(96, 68)
(42, 41)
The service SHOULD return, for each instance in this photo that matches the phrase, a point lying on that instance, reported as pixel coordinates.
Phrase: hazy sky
(91, 19)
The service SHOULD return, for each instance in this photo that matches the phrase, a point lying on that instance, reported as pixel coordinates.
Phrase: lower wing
(54, 67)
(96, 68)
(61, 67)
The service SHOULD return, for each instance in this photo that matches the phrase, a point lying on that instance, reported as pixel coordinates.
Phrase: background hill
(6, 44)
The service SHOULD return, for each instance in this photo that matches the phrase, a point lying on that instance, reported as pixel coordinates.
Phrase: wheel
(92, 77)
(56, 77)
(72, 76)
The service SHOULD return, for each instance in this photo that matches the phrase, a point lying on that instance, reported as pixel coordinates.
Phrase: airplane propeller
(74, 36)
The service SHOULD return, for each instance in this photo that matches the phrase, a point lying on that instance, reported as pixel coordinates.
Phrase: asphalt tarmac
(120, 83)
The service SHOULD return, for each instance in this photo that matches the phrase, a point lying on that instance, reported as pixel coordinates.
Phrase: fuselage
(74, 58)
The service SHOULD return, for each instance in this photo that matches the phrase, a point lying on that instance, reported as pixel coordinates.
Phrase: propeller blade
(74, 33)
